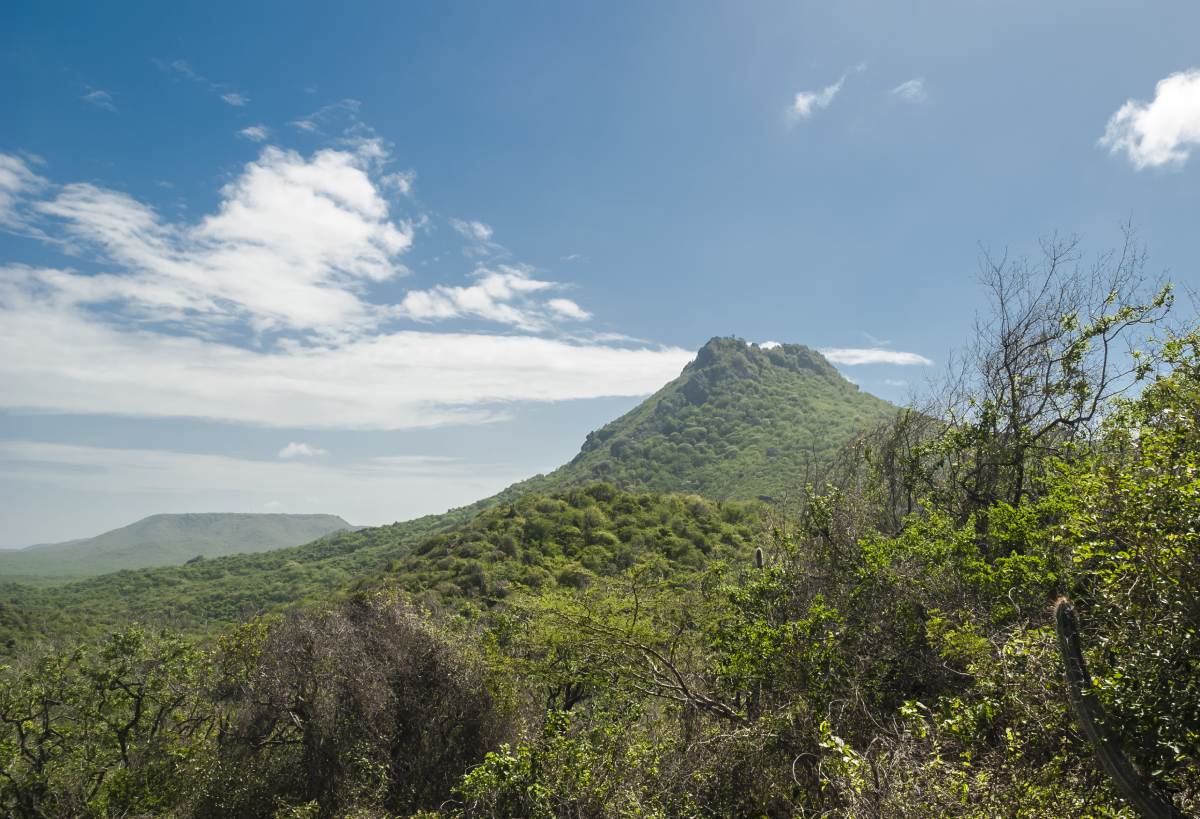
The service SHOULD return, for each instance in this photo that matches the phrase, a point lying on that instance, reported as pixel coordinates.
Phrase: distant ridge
(168, 539)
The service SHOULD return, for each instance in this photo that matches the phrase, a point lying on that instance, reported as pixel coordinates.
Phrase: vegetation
(739, 422)
(896, 646)
(201, 595)
(162, 540)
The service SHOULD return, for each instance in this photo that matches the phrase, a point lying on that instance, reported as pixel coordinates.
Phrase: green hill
(740, 422)
(164, 540)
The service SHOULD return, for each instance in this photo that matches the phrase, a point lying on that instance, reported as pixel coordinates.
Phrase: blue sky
(388, 259)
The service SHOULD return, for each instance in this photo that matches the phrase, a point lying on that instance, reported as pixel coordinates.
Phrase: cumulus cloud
(291, 245)
(100, 99)
(269, 311)
(235, 99)
(911, 90)
(853, 356)
(506, 294)
(1163, 131)
(298, 449)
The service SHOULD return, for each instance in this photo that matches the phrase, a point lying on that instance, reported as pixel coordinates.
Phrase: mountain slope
(162, 540)
(739, 422)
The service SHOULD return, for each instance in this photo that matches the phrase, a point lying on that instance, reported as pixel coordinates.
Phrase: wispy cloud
(478, 231)
(255, 133)
(853, 356)
(183, 69)
(17, 182)
(911, 90)
(807, 103)
(100, 99)
(299, 449)
(1163, 131)
(345, 110)
(64, 361)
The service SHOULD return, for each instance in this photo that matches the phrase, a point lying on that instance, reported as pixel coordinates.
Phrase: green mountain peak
(740, 421)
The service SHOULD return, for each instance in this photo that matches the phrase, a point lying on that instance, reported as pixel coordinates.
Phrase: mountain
(739, 423)
(163, 540)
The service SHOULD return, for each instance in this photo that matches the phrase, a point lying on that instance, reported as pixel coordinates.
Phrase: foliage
(886, 650)
(740, 422)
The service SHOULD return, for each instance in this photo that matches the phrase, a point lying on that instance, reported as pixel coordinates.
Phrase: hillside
(562, 540)
(164, 540)
(739, 423)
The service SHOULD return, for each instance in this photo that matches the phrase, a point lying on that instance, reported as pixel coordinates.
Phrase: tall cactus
(1094, 721)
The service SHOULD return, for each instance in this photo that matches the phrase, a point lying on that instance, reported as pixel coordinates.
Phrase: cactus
(1094, 721)
(758, 558)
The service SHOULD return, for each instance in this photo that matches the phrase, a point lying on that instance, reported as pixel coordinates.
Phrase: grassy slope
(738, 423)
(164, 540)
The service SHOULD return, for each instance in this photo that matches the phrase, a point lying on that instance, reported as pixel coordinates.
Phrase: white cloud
(911, 90)
(502, 295)
(100, 99)
(291, 245)
(345, 110)
(235, 99)
(60, 359)
(769, 345)
(255, 133)
(477, 231)
(298, 449)
(568, 309)
(853, 356)
(263, 312)
(17, 181)
(895, 382)
(364, 491)
(808, 103)
(1163, 131)
(400, 181)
